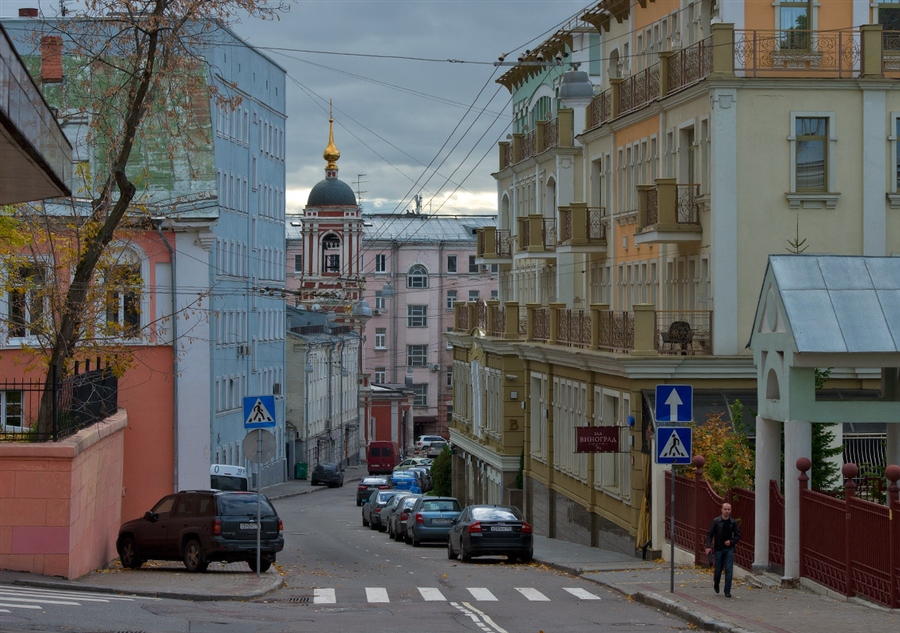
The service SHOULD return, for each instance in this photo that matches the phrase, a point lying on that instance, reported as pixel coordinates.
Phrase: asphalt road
(342, 577)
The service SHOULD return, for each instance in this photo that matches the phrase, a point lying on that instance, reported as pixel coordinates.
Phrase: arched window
(331, 254)
(417, 277)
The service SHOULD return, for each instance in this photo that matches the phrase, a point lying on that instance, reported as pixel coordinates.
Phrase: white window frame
(416, 355)
(417, 277)
(5, 406)
(380, 263)
(380, 375)
(29, 336)
(813, 199)
(451, 299)
(416, 316)
(894, 140)
(381, 338)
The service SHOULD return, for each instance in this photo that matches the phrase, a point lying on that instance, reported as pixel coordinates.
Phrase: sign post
(674, 403)
(259, 414)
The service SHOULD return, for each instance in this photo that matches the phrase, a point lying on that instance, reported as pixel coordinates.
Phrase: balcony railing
(770, 53)
(537, 234)
(580, 224)
(689, 65)
(638, 90)
(667, 205)
(644, 330)
(493, 243)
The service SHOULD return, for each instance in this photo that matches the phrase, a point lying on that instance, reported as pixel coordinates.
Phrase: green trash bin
(300, 470)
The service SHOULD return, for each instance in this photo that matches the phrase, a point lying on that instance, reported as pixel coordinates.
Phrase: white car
(425, 440)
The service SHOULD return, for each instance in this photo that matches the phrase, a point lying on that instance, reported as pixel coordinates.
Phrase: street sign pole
(259, 441)
(672, 534)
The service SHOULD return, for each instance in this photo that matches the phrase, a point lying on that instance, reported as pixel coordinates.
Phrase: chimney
(28, 13)
(51, 59)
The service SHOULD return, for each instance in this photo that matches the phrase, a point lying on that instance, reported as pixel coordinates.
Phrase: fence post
(849, 471)
(892, 473)
(803, 465)
(698, 462)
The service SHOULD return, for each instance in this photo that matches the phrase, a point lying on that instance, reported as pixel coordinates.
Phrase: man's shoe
(716, 587)
(727, 595)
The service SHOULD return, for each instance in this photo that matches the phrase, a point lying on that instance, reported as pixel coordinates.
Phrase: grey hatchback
(200, 526)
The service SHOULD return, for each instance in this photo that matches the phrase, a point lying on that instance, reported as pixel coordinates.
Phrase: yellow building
(633, 234)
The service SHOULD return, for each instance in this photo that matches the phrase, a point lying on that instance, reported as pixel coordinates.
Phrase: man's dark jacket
(723, 530)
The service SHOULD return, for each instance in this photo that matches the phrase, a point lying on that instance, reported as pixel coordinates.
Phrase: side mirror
(149, 516)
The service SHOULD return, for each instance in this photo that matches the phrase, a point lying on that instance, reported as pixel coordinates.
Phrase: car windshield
(493, 514)
(244, 505)
(443, 505)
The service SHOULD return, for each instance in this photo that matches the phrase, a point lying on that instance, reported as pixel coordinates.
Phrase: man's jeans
(724, 558)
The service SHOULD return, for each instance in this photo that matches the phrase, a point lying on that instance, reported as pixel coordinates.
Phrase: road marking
(432, 594)
(482, 594)
(18, 606)
(532, 594)
(324, 596)
(581, 593)
(377, 594)
(487, 625)
(42, 601)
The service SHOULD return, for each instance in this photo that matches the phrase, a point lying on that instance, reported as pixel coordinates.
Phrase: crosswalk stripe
(581, 593)
(532, 594)
(41, 600)
(482, 594)
(13, 595)
(432, 594)
(377, 594)
(324, 596)
(19, 606)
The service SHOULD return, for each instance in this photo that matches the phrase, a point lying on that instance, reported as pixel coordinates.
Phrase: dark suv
(201, 526)
(328, 473)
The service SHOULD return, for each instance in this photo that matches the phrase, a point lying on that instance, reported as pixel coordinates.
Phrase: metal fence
(85, 397)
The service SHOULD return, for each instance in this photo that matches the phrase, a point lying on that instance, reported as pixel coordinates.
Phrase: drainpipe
(174, 360)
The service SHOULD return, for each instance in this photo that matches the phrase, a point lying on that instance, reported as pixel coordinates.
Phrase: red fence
(849, 545)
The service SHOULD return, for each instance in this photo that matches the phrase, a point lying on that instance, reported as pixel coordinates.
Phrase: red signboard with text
(597, 439)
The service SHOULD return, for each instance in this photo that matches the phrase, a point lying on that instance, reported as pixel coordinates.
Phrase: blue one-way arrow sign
(674, 403)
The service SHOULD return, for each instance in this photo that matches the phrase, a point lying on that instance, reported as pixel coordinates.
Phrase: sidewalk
(758, 605)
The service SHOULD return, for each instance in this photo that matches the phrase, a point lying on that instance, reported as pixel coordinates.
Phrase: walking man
(723, 534)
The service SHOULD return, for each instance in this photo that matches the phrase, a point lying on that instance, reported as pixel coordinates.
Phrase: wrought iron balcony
(547, 135)
(537, 235)
(582, 228)
(493, 245)
(668, 212)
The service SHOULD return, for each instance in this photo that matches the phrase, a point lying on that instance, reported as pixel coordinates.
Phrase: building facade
(634, 231)
(211, 233)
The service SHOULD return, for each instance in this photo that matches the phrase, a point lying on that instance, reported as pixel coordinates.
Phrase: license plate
(501, 528)
(441, 521)
(249, 526)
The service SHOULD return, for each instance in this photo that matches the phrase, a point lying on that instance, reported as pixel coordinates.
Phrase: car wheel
(314, 482)
(450, 553)
(382, 528)
(463, 554)
(525, 558)
(358, 503)
(365, 521)
(194, 558)
(407, 539)
(263, 565)
(416, 542)
(128, 554)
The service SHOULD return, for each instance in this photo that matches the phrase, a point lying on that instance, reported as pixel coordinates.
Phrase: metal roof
(410, 228)
(837, 303)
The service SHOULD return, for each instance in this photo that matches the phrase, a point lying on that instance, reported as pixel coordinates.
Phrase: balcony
(493, 246)
(582, 229)
(641, 332)
(668, 212)
(558, 133)
(537, 236)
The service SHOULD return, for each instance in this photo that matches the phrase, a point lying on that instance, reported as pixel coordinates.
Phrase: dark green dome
(331, 191)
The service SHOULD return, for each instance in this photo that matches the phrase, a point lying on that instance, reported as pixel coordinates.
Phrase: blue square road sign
(673, 445)
(674, 403)
(259, 412)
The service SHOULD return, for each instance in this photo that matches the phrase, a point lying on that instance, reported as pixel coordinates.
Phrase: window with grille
(417, 316)
(421, 394)
(416, 355)
(417, 277)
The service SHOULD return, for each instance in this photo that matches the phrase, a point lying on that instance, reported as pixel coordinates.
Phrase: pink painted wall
(60, 502)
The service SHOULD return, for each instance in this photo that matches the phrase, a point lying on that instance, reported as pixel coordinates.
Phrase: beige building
(634, 230)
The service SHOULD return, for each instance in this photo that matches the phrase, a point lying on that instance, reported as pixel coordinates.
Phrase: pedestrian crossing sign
(673, 445)
(259, 412)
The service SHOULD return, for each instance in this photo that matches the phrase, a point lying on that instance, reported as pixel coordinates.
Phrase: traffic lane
(356, 567)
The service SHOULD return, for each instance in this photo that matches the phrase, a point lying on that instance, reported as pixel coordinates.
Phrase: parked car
(201, 526)
(397, 525)
(430, 519)
(368, 485)
(490, 530)
(434, 449)
(371, 509)
(381, 457)
(426, 483)
(409, 462)
(327, 473)
(424, 440)
(404, 480)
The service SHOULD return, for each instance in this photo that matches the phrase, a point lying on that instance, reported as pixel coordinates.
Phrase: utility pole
(359, 192)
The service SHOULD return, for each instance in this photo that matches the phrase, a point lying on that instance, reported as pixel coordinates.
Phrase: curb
(702, 621)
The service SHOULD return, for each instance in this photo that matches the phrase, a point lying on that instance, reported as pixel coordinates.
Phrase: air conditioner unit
(243, 350)
(435, 368)
(377, 311)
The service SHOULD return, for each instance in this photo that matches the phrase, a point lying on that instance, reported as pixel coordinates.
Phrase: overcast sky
(399, 106)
